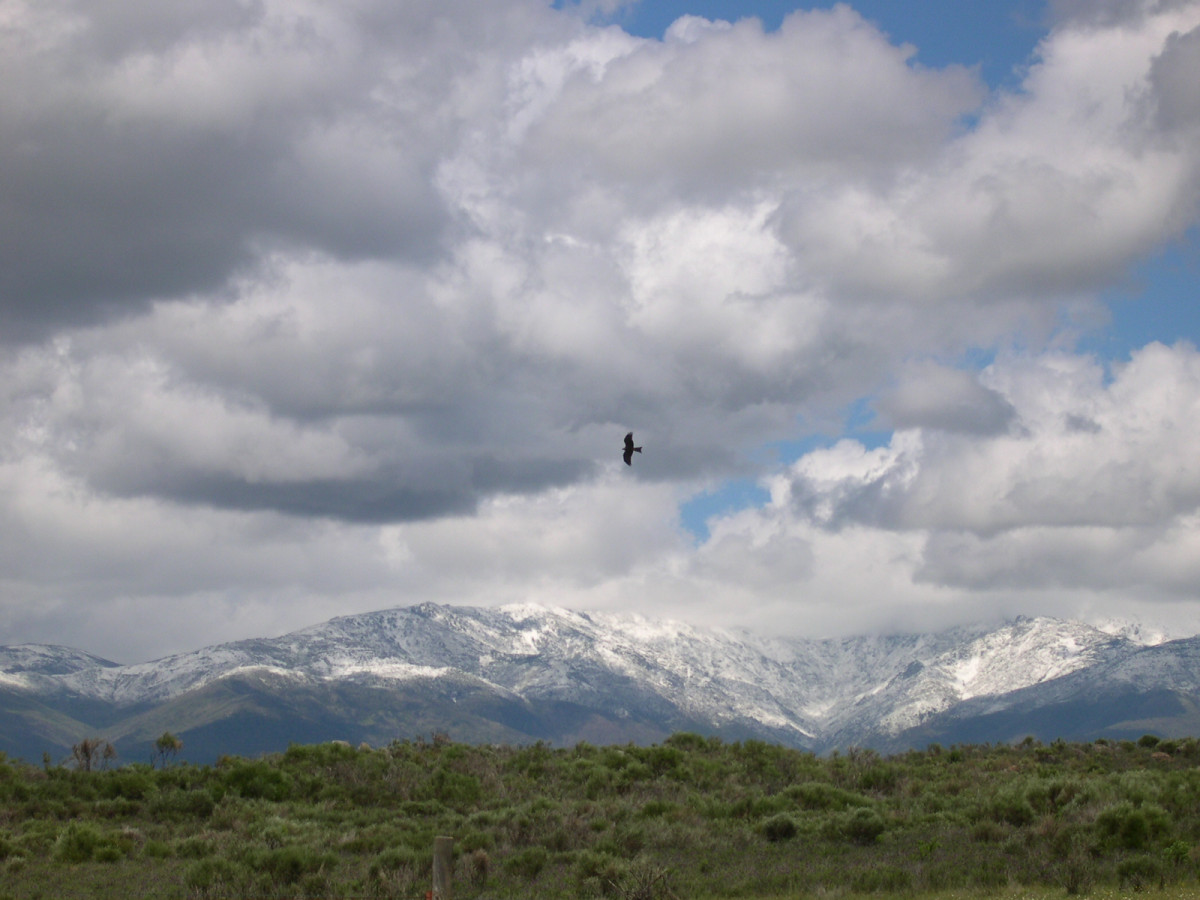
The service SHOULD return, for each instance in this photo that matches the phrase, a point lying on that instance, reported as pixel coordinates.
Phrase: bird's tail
(637, 449)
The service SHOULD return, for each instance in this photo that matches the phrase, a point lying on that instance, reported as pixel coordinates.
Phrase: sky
(311, 308)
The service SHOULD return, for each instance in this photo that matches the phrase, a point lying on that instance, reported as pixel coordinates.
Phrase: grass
(1174, 892)
(692, 817)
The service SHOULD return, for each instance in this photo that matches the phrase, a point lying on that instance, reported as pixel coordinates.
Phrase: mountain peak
(48, 659)
(524, 672)
(1133, 630)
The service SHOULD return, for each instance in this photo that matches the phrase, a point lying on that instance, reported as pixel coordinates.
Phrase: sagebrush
(694, 816)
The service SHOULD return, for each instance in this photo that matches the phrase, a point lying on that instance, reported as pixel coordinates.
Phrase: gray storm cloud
(152, 154)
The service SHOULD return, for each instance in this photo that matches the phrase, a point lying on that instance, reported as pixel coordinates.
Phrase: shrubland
(691, 817)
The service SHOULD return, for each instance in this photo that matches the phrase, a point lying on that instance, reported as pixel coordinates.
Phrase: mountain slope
(1123, 694)
(523, 673)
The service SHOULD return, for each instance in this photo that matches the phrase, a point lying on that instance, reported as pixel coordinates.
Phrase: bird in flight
(630, 449)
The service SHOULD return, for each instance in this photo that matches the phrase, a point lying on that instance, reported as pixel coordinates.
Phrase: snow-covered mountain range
(521, 673)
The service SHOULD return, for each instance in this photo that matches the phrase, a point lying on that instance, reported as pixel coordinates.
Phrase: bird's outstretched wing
(629, 442)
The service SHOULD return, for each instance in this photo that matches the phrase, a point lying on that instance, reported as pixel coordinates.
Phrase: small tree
(91, 753)
(167, 747)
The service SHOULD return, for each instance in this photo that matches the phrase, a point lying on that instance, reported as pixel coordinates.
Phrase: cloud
(1171, 76)
(308, 309)
(155, 154)
(1046, 505)
(717, 106)
(933, 396)
(1055, 191)
(129, 423)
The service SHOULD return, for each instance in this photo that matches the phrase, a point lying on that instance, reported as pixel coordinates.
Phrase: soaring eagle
(630, 449)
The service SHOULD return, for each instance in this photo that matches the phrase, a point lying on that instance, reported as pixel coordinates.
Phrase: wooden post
(443, 866)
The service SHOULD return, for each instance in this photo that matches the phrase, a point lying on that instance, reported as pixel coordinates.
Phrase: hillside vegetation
(691, 817)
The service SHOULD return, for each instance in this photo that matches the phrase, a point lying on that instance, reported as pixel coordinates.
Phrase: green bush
(182, 804)
(318, 756)
(1177, 853)
(108, 853)
(78, 842)
(881, 777)
(397, 859)
(600, 783)
(527, 863)
(781, 827)
(129, 783)
(455, 788)
(1140, 786)
(863, 826)
(476, 840)
(116, 808)
(624, 841)
(287, 865)
(156, 850)
(1012, 806)
(663, 760)
(214, 878)
(882, 880)
(1132, 827)
(598, 872)
(333, 821)
(690, 741)
(1140, 872)
(1078, 875)
(1056, 794)
(987, 831)
(194, 848)
(258, 780)
(655, 808)
(819, 795)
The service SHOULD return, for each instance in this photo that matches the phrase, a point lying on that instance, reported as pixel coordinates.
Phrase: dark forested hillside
(690, 816)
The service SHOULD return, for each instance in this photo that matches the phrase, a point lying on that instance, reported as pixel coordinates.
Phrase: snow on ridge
(1028, 652)
(520, 612)
(813, 687)
(963, 673)
(1135, 631)
(390, 669)
(15, 680)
